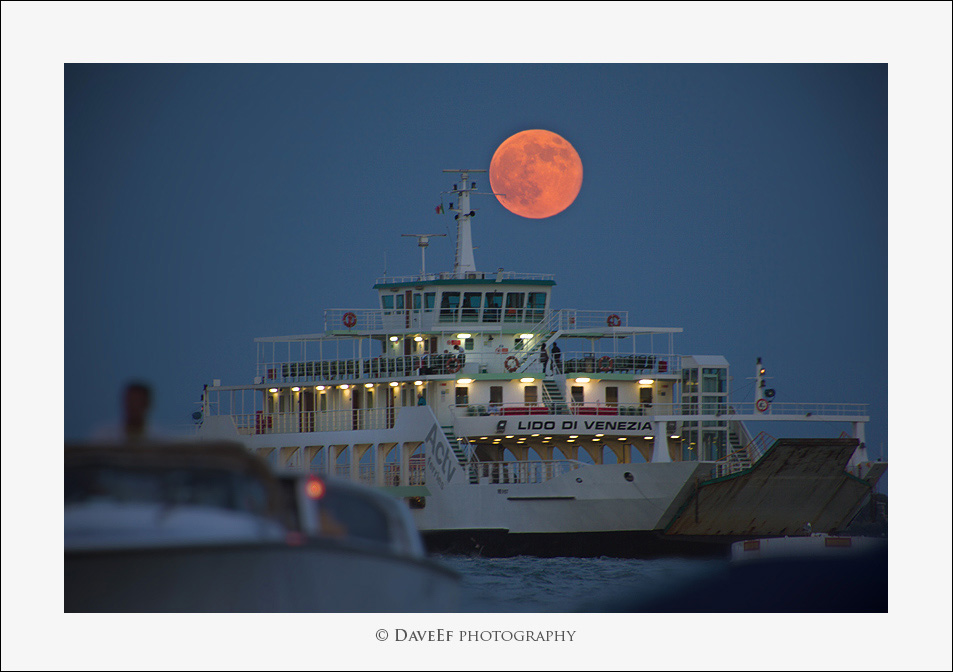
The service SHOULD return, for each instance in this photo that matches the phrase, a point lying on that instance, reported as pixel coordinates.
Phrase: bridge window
(536, 307)
(514, 307)
(449, 303)
(494, 305)
(471, 306)
(429, 301)
(399, 303)
(387, 302)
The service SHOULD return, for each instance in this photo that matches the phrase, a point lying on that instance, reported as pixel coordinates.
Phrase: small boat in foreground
(208, 528)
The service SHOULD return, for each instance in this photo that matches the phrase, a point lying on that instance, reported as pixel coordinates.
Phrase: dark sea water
(529, 584)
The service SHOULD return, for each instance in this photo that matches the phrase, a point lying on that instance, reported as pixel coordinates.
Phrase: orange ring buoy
(511, 364)
(606, 364)
(453, 364)
(349, 319)
(613, 320)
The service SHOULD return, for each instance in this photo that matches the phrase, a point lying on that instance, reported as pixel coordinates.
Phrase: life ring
(761, 405)
(349, 319)
(511, 364)
(453, 364)
(606, 364)
(613, 320)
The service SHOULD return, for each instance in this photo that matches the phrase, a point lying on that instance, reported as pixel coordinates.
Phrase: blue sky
(206, 205)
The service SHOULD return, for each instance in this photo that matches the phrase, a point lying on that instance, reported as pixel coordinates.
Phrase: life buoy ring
(606, 364)
(613, 320)
(453, 364)
(349, 319)
(511, 364)
(761, 405)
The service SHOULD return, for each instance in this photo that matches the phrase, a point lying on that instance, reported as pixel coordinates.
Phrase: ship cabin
(509, 378)
(470, 346)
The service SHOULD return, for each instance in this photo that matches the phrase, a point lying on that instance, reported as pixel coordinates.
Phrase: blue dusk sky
(206, 205)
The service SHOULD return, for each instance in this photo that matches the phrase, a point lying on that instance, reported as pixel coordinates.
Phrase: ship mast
(423, 240)
(464, 262)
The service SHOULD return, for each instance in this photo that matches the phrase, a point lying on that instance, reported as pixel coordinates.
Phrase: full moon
(536, 174)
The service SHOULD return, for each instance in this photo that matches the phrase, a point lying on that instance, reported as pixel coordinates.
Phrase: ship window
(612, 396)
(429, 300)
(496, 394)
(530, 394)
(471, 306)
(399, 305)
(463, 396)
(576, 393)
(514, 307)
(494, 303)
(387, 302)
(449, 303)
(468, 344)
(416, 301)
(535, 308)
(645, 395)
(345, 514)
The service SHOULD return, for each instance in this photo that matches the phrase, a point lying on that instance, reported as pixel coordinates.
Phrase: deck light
(316, 488)
(393, 383)
(344, 387)
(464, 335)
(534, 434)
(675, 436)
(573, 436)
(600, 434)
(622, 438)
(595, 439)
(368, 384)
(527, 380)
(465, 381)
(419, 339)
(319, 388)
(509, 436)
(273, 389)
(570, 441)
(547, 437)
(582, 380)
(648, 438)
(418, 382)
(295, 389)
(646, 381)
(483, 438)
(393, 339)
(526, 336)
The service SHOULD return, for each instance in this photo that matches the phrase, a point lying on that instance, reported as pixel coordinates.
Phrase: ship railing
(402, 320)
(799, 409)
(294, 422)
(466, 275)
(523, 471)
(571, 318)
(743, 458)
(460, 363)
(567, 408)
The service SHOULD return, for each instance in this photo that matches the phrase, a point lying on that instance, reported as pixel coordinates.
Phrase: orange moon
(538, 173)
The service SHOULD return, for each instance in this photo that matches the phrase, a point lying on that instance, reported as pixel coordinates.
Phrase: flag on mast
(439, 209)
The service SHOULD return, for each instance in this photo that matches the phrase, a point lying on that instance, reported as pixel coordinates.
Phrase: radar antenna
(423, 240)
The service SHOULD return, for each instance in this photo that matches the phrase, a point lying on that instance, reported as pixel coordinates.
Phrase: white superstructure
(439, 395)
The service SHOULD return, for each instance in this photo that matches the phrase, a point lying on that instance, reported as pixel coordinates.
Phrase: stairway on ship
(460, 453)
(553, 397)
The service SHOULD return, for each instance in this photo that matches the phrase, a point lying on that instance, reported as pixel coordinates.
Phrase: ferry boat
(611, 443)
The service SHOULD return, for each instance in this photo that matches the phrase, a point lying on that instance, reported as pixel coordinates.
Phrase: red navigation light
(316, 487)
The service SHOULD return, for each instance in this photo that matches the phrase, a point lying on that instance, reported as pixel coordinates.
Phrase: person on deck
(543, 357)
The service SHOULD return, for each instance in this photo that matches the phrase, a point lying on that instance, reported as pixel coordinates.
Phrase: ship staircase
(742, 457)
(553, 397)
(463, 449)
(545, 331)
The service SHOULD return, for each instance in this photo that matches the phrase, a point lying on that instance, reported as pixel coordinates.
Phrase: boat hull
(318, 576)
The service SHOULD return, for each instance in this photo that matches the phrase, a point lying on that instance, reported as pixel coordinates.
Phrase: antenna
(423, 240)
(464, 260)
